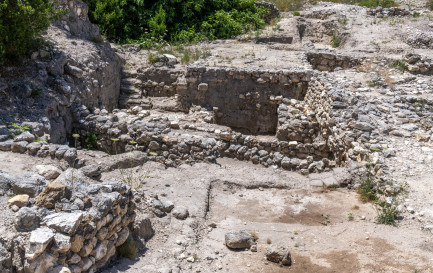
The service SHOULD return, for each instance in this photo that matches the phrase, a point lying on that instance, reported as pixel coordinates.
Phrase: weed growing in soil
(335, 42)
(387, 213)
(350, 216)
(128, 249)
(400, 65)
(367, 190)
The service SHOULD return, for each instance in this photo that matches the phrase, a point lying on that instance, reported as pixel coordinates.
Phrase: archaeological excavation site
(302, 145)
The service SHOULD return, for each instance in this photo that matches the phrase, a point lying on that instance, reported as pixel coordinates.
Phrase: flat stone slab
(64, 222)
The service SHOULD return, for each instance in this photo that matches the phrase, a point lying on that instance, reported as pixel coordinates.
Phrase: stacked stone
(161, 82)
(74, 227)
(343, 124)
(380, 12)
(327, 61)
(419, 64)
(25, 143)
(296, 122)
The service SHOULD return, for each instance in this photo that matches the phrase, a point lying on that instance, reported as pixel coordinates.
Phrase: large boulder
(52, 194)
(278, 254)
(239, 239)
(29, 183)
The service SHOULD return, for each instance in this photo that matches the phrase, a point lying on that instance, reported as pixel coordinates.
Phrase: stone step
(129, 89)
(129, 73)
(169, 104)
(131, 81)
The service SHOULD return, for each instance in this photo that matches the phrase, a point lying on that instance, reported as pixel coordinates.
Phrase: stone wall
(380, 12)
(72, 225)
(327, 61)
(245, 100)
(419, 64)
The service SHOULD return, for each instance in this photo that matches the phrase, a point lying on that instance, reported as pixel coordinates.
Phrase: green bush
(150, 22)
(20, 24)
(296, 13)
(430, 4)
(91, 141)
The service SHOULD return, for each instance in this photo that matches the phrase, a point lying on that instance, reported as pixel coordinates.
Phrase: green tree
(21, 21)
(174, 20)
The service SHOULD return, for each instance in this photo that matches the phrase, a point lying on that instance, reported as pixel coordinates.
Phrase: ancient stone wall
(245, 100)
(326, 61)
(72, 225)
(419, 64)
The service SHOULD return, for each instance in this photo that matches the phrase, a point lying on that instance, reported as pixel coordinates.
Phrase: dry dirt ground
(279, 207)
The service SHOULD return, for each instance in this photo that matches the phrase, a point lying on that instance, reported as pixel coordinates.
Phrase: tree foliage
(21, 21)
(174, 20)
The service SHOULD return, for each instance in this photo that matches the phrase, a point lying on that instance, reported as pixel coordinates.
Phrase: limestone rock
(25, 136)
(239, 239)
(62, 243)
(29, 183)
(19, 147)
(26, 219)
(6, 181)
(19, 200)
(48, 171)
(180, 213)
(39, 240)
(91, 171)
(278, 254)
(64, 222)
(53, 193)
(143, 228)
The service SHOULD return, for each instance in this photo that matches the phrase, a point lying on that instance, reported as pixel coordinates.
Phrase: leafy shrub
(296, 13)
(368, 190)
(174, 20)
(387, 213)
(91, 141)
(400, 65)
(430, 4)
(21, 22)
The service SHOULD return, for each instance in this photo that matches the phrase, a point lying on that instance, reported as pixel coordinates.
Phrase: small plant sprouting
(335, 42)
(400, 65)
(387, 213)
(296, 245)
(367, 190)
(296, 13)
(350, 217)
(16, 128)
(296, 233)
